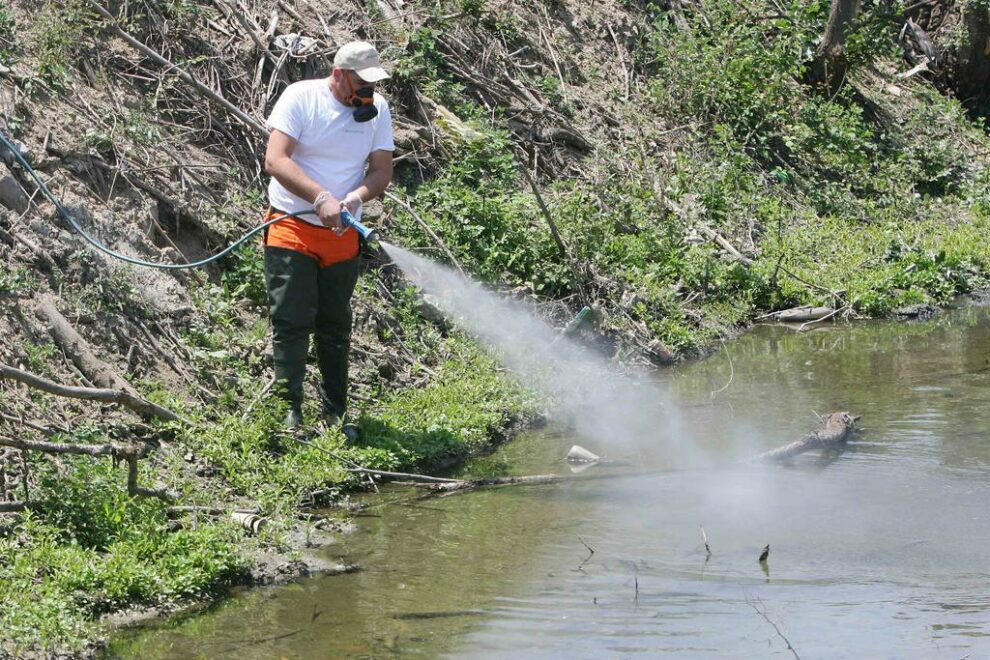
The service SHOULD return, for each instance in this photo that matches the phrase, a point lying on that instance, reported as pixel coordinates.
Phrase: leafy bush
(496, 233)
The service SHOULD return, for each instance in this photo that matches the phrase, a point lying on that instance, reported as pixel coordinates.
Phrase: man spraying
(330, 148)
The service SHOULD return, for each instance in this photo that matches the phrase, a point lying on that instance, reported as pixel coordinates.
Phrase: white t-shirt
(333, 149)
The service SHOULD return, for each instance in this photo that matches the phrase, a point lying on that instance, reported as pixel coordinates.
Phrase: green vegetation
(59, 33)
(860, 199)
(9, 48)
(91, 548)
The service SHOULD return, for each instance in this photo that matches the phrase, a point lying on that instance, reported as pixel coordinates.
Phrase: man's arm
(279, 164)
(378, 176)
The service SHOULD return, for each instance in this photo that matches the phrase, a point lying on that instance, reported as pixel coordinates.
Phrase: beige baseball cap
(362, 58)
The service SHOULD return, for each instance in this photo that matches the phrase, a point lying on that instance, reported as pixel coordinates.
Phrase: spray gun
(348, 220)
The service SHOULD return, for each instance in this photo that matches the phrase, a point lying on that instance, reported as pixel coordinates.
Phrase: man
(330, 148)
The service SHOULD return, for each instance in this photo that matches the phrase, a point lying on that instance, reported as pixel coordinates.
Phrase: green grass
(90, 548)
(458, 413)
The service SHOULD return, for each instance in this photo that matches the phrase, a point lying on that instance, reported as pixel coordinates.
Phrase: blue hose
(347, 219)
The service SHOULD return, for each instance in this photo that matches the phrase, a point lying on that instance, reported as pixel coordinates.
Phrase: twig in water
(591, 552)
(763, 614)
(704, 537)
(732, 374)
(360, 469)
(636, 583)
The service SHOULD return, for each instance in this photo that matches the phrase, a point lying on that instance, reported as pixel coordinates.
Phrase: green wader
(305, 299)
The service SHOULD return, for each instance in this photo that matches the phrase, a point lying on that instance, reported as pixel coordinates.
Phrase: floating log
(836, 430)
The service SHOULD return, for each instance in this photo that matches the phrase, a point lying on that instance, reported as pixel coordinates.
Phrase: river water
(882, 551)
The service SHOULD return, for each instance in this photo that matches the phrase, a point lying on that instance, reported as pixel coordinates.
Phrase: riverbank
(102, 552)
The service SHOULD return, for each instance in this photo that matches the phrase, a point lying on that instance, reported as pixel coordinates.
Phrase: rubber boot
(291, 278)
(333, 332)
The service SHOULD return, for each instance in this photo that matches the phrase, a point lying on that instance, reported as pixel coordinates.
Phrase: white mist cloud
(612, 411)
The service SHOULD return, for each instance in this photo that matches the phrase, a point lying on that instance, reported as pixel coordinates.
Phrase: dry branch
(129, 453)
(557, 238)
(144, 408)
(138, 491)
(422, 223)
(108, 449)
(77, 349)
(726, 245)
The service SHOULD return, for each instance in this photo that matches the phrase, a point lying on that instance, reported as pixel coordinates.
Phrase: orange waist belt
(319, 243)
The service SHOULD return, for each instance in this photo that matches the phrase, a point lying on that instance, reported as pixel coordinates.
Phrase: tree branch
(144, 408)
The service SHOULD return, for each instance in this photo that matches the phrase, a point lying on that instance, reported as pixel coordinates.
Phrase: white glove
(353, 202)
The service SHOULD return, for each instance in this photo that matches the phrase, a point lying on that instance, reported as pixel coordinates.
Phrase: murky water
(881, 552)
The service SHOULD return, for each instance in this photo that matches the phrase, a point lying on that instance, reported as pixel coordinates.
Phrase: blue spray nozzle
(368, 234)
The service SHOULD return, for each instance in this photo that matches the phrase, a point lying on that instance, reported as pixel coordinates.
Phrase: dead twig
(763, 614)
(360, 469)
(622, 62)
(591, 553)
(429, 231)
(557, 238)
(732, 373)
(726, 245)
(824, 318)
(129, 453)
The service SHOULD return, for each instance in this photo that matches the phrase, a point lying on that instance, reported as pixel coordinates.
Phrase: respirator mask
(363, 102)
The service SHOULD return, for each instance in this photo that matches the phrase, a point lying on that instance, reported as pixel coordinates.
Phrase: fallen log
(838, 426)
(78, 349)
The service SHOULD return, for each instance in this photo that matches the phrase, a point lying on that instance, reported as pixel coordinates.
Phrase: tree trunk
(960, 35)
(830, 64)
(973, 73)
